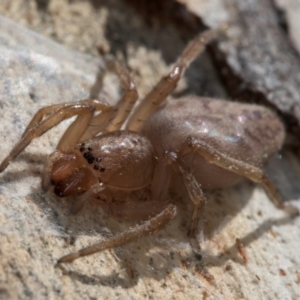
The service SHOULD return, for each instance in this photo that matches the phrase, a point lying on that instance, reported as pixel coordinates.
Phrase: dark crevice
(42, 5)
(160, 13)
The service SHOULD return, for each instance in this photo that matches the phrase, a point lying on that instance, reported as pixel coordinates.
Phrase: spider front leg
(48, 117)
(168, 83)
(149, 227)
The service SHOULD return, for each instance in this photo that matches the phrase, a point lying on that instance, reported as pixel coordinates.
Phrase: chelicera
(210, 143)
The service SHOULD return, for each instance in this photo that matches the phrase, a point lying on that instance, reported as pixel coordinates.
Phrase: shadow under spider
(33, 160)
(232, 252)
(91, 220)
(126, 281)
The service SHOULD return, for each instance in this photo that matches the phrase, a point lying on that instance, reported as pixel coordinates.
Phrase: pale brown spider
(210, 143)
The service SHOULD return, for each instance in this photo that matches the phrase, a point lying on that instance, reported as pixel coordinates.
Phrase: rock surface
(37, 228)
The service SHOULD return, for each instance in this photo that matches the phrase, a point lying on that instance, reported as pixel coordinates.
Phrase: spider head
(69, 175)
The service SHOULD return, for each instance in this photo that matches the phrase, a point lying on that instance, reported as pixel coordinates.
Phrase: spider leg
(168, 83)
(81, 200)
(239, 167)
(111, 122)
(128, 100)
(84, 110)
(161, 179)
(43, 113)
(149, 227)
(196, 194)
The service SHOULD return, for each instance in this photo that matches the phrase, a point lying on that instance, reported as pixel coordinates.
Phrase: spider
(210, 143)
